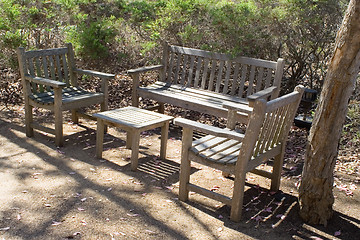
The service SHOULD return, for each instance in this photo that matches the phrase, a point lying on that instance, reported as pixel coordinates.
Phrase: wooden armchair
(236, 153)
(49, 80)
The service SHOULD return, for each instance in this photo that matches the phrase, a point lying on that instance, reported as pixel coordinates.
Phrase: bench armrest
(45, 81)
(220, 132)
(261, 94)
(94, 73)
(144, 69)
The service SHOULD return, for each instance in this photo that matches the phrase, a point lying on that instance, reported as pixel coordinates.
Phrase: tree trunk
(315, 193)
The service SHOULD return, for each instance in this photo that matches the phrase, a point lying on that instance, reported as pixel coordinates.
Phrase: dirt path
(66, 193)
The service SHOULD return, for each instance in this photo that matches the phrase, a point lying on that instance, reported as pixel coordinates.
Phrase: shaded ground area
(67, 193)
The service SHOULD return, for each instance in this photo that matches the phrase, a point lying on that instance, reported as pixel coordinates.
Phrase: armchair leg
(103, 108)
(276, 173)
(28, 120)
(185, 165)
(238, 195)
(58, 129)
(58, 118)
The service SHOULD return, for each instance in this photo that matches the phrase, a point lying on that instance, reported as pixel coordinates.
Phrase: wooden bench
(204, 81)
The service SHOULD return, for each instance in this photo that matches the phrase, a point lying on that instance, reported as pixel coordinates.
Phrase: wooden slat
(205, 73)
(268, 77)
(212, 75)
(213, 195)
(197, 73)
(249, 90)
(227, 77)
(208, 144)
(219, 76)
(45, 52)
(191, 72)
(260, 84)
(242, 81)
(184, 70)
(58, 68)
(235, 82)
(46, 70)
(52, 68)
(178, 62)
(66, 72)
(170, 69)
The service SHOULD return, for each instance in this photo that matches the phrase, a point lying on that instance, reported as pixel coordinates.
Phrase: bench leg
(74, 116)
(164, 139)
(161, 107)
(135, 140)
(28, 120)
(99, 138)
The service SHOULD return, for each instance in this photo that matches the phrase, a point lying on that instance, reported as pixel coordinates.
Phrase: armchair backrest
(268, 128)
(54, 64)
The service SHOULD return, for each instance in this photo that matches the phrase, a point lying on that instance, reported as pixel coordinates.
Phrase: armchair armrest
(144, 69)
(94, 73)
(261, 94)
(45, 81)
(220, 132)
(243, 108)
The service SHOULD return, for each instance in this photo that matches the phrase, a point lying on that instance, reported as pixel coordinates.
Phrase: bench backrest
(55, 64)
(221, 73)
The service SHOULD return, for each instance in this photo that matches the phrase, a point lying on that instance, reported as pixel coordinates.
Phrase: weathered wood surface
(203, 81)
(134, 121)
(49, 78)
(235, 153)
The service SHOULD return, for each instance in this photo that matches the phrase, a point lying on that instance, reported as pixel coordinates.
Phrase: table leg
(135, 140)
(128, 139)
(99, 138)
(164, 139)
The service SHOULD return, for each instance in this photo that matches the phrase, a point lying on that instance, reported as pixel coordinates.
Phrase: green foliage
(300, 31)
(92, 39)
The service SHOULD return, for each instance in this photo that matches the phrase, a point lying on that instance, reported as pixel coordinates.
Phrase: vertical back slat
(197, 73)
(58, 68)
(227, 77)
(46, 70)
(243, 80)
(32, 73)
(205, 73)
(235, 82)
(65, 68)
(268, 77)
(212, 75)
(178, 60)
(170, 69)
(191, 71)
(39, 73)
(219, 77)
(251, 81)
(184, 70)
(260, 83)
(52, 68)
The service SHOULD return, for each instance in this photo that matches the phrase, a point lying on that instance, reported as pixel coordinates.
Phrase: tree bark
(315, 193)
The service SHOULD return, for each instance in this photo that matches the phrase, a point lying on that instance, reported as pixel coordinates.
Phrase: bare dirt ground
(67, 193)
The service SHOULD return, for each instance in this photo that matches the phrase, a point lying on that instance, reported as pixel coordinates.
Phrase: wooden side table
(134, 121)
